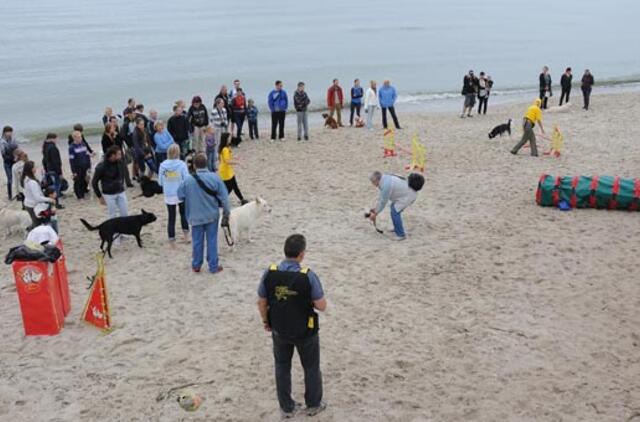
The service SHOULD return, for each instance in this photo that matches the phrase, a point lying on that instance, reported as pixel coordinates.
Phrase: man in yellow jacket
(532, 116)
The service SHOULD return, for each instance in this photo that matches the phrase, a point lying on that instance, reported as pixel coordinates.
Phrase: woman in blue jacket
(163, 140)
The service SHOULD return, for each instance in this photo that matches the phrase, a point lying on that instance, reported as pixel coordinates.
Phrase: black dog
(501, 130)
(114, 227)
(149, 187)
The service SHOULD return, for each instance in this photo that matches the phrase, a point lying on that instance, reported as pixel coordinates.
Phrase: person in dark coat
(587, 85)
(565, 84)
(545, 86)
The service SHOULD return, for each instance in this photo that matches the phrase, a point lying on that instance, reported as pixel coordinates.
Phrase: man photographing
(400, 191)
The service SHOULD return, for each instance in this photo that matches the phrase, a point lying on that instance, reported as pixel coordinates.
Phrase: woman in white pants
(371, 103)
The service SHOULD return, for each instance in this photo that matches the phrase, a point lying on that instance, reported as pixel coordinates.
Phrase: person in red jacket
(335, 98)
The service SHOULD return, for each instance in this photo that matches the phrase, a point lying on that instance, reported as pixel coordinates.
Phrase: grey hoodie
(395, 189)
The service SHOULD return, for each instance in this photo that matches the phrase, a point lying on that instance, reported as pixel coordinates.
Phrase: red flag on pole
(96, 311)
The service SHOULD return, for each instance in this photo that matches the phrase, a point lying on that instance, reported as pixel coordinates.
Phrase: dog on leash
(115, 227)
(243, 219)
(14, 221)
(329, 121)
(149, 187)
(501, 130)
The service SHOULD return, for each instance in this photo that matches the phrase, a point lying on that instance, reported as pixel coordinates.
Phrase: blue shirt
(387, 96)
(293, 266)
(200, 207)
(356, 95)
(163, 141)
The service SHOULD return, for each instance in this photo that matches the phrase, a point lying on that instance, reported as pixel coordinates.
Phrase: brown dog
(330, 121)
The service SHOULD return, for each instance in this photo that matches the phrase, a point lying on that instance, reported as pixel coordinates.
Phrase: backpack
(415, 181)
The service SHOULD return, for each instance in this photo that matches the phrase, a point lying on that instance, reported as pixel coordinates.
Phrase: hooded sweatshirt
(278, 100)
(395, 189)
(111, 176)
(163, 141)
(79, 158)
(198, 116)
(171, 174)
(51, 160)
(534, 113)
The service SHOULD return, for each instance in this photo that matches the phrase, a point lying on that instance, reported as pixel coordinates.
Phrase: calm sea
(64, 60)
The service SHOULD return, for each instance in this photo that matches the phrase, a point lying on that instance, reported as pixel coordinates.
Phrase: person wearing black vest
(288, 296)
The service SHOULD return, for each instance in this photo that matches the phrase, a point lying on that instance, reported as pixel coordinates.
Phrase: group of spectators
(566, 81)
(475, 87)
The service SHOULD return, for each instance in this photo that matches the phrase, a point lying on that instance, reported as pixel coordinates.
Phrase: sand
(494, 309)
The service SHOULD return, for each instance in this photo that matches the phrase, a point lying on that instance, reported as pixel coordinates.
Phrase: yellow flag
(418, 155)
(389, 143)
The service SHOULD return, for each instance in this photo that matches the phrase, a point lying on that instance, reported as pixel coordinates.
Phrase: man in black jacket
(109, 173)
(469, 91)
(565, 83)
(52, 164)
(179, 127)
(587, 85)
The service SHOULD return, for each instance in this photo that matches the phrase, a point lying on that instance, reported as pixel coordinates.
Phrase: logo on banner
(31, 277)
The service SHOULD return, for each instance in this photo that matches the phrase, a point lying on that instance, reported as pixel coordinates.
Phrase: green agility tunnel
(603, 192)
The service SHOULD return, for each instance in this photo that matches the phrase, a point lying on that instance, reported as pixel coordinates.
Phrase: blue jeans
(55, 180)
(396, 217)
(212, 159)
(198, 234)
(7, 171)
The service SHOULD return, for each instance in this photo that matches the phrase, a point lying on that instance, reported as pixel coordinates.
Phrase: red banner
(96, 311)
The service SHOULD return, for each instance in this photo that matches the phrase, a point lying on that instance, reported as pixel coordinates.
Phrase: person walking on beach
(387, 97)
(532, 116)
(108, 183)
(8, 147)
(203, 194)
(335, 99)
(483, 94)
(226, 172)
(587, 85)
(171, 174)
(278, 104)
(219, 118)
(469, 91)
(301, 102)
(80, 163)
(33, 195)
(52, 164)
(179, 127)
(371, 103)
(545, 87)
(288, 297)
(252, 119)
(394, 189)
(565, 84)
(198, 118)
(356, 100)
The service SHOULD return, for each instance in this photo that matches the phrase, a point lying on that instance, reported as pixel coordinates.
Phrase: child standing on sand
(252, 118)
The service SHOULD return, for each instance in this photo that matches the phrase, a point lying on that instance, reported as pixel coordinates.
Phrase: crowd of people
(566, 81)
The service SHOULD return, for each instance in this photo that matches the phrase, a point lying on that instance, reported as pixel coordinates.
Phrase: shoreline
(412, 103)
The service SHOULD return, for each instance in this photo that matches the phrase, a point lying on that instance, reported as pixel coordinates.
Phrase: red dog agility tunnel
(602, 192)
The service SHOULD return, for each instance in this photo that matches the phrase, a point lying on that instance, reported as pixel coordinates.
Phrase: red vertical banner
(96, 311)
(63, 280)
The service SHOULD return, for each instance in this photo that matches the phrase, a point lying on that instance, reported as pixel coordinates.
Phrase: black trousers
(232, 185)
(392, 110)
(253, 129)
(565, 92)
(354, 108)
(586, 95)
(80, 183)
(544, 98)
(482, 103)
(238, 119)
(309, 352)
(171, 225)
(277, 122)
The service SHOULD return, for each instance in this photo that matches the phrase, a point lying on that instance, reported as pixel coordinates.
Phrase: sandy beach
(494, 309)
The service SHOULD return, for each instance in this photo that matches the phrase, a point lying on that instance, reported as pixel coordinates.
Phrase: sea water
(63, 61)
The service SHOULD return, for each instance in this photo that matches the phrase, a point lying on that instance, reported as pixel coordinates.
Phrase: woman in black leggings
(226, 167)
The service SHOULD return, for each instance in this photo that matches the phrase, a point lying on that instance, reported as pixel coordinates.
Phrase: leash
(375, 223)
(227, 235)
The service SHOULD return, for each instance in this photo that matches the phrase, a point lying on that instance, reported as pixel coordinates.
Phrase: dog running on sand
(501, 130)
(110, 229)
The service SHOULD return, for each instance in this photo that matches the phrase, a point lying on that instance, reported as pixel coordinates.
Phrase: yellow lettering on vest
(283, 293)
(310, 324)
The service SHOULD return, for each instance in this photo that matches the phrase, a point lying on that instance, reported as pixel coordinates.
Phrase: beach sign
(96, 311)
(389, 143)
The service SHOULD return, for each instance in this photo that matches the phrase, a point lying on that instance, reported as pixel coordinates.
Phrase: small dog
(359, 122)
(501, 130)
(14, 221)
(114, 227)
(243, 219)
(149, 187)
(330, 121)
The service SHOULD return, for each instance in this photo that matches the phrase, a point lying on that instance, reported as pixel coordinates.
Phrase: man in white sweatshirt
(395, 189)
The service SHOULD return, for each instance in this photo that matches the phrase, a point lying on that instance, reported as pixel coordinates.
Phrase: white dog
(559, 109)
(243, 219)
(14, 221)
